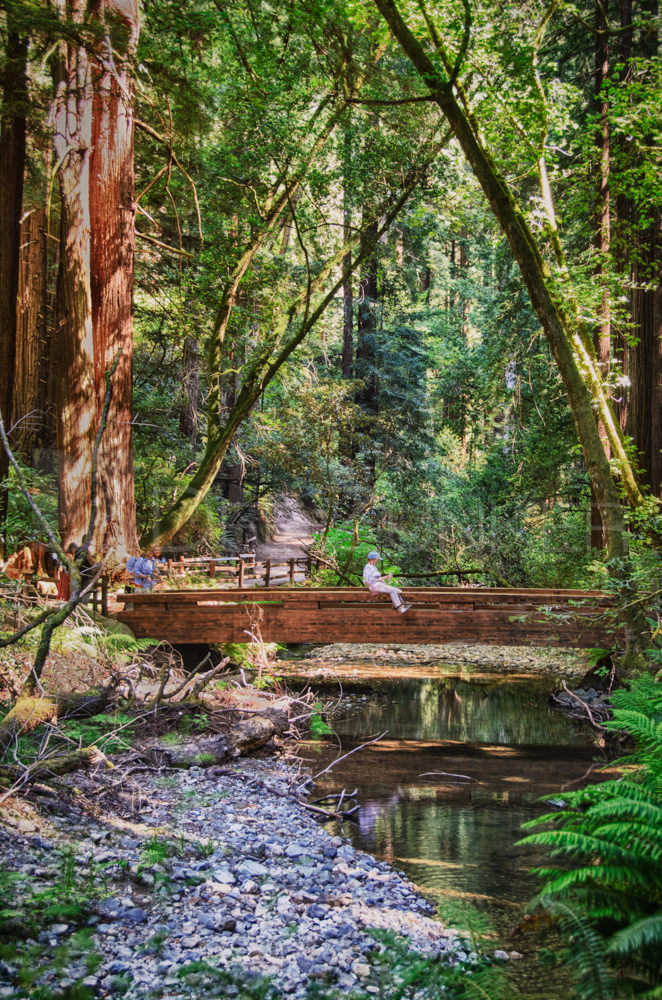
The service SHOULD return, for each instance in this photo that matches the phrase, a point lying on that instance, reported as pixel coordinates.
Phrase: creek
(463, 760)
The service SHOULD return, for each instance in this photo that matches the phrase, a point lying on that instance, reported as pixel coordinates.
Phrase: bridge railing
(242, 569)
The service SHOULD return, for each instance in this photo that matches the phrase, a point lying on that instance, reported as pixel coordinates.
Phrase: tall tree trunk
(94, 147)
(602, 239)
(12, 166)
(34, 409)
(366, 329)
(464, 266)
(623, 210)
(75, 354)
(644, 414)
(112, 221)
(347, 293)
(188, 411)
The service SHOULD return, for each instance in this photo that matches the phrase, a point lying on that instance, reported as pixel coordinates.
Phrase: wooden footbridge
(437, 615)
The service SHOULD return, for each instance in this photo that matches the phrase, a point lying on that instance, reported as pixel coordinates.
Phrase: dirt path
(293, 532)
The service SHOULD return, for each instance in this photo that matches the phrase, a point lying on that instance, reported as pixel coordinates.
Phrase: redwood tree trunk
(74, 396)
(33, 410)
(112, 222)
(644, 414)
(12, 165)
(94, 147)
(602, 238)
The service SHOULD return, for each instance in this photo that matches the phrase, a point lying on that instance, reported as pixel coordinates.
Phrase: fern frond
(582, 846)
(645, 695)
(613, 876)
(644, 933)
(586, 956)
(641, 726)
(645, 809)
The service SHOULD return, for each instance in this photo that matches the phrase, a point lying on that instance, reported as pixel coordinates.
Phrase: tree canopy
(401, 259)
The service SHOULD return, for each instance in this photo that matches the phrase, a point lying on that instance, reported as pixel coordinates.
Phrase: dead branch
(349, 753)
(318, 810)
(587, 710)
(47, 767)
(446, 774)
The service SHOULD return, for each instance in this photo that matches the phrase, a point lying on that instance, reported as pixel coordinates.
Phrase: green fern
(585, 952)
(609, 837)
(644, 696)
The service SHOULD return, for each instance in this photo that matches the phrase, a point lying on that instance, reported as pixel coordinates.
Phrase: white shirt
(370, 574)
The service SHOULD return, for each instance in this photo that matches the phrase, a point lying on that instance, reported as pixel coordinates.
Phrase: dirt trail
(292, 535)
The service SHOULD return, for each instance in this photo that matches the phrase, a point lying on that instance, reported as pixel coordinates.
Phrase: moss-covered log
(32, 711)
(50, 767)
(244, 737)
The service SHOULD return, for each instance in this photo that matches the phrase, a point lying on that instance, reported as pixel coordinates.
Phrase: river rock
(295, 902)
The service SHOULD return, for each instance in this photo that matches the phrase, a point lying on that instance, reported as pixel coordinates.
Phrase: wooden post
(241, 573)
(291, 570)
(309, 566)
(267, 571)
(212, 569)
(104, 596)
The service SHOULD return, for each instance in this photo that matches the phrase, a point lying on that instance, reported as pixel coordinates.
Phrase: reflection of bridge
(437, 615)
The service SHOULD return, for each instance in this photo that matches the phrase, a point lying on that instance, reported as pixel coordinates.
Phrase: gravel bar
(221, 867)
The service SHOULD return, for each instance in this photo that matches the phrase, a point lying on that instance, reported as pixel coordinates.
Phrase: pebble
(271, 891)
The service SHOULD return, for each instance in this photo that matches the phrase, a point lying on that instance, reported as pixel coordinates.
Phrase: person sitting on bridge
(376, 583)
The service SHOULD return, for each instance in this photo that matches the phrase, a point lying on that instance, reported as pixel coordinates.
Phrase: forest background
(404, 262)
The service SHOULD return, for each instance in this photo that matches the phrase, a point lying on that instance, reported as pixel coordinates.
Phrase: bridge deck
(353, 615)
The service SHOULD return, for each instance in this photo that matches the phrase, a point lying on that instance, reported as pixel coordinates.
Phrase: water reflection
(444, 794)
(449, 708)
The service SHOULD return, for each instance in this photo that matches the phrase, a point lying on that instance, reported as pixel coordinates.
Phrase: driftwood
(244, 737)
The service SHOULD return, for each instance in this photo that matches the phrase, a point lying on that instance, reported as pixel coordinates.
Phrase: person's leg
(393, 592)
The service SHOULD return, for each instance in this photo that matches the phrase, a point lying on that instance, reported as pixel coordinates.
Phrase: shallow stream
(461, 764)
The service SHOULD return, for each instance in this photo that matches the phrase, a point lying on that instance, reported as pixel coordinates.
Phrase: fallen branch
(591, 718)
(197, 680)
(311, 807)
(48, 767)
(314, 777)
(446, 774)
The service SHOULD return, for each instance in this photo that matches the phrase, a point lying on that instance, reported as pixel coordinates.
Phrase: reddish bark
(12, 163)
(112, 223)
(94, 146)
(33, 405)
